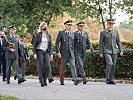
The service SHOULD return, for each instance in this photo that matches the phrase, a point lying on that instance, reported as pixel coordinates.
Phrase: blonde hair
(43, 23)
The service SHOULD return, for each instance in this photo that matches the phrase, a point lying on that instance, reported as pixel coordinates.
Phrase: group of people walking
(70, 48)
(12, 49)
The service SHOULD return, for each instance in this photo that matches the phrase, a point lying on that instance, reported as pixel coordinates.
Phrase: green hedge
(93, 64)
(125, 44)
(95, 44)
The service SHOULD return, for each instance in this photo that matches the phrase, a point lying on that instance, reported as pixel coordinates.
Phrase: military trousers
(14, 63)
(110, 60)
(80, 67)
(23, 67)
(72, 66)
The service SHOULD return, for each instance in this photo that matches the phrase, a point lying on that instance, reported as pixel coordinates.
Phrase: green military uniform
(109, 46)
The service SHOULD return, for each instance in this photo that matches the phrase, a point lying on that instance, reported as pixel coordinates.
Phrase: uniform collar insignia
(107, 30)
(66, 31)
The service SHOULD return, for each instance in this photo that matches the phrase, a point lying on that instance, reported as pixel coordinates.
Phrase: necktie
(0, 42)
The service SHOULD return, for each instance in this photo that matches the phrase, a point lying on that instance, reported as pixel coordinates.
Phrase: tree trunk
(100, 11)
(110, 9)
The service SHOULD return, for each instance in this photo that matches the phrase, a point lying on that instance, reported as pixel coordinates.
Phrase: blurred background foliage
(26, 13)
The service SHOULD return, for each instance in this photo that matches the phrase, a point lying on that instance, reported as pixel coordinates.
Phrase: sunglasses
(111, 23)
(69, 24)
(80, 25)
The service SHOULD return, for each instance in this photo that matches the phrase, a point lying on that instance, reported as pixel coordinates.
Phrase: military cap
(4, 25)
(68, 22)
(22, 36)
(13, 27)
(111, 21)
(80, 23)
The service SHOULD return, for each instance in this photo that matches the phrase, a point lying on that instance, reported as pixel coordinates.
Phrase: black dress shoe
(50, 80)
(21, 80)
(15, 77)
(42, 85)
(24, 79)
(84, 81)
(45, 84)
(62, 83)
(110, 82)
(77, 82)
(4, 79)
(8, 82)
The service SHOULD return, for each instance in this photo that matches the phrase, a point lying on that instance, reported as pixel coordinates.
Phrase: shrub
(93, 64)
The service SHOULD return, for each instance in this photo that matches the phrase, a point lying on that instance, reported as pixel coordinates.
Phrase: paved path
(31, 90)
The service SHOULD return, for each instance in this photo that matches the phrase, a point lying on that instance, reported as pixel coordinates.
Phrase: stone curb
(123, 81)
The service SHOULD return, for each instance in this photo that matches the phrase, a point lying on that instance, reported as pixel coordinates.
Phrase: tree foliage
(29, 12)
(126, 25)
(26, 13)
(127, 6)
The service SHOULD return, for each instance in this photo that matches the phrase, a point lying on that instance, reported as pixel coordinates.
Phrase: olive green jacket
(109, 42)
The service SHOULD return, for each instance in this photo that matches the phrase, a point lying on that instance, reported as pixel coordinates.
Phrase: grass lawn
(8, 98)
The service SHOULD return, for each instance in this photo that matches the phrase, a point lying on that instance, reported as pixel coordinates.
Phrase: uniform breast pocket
(85, 36)
(72, 36)
(107, 36)
(63, 39)
(114, 35)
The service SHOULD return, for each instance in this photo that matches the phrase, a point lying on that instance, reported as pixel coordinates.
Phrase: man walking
(81, 40)
(11, 44)
(109, 41)
(23, 54)
(65, 51)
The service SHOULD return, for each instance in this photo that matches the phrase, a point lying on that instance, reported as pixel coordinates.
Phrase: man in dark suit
(65, 51)
(108, 47)
(2, 55)
(12, 54)
(81, 40)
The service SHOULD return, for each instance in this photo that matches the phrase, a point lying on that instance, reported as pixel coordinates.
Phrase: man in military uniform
(65, 51)
(23, 54)
(12, 54)
(2, 55)
(108, 47)
(80, 42)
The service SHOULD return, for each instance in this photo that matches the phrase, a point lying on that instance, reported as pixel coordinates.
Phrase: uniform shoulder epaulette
(115, 30)
(103, 31)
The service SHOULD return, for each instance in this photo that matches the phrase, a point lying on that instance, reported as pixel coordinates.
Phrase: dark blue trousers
(3, 64)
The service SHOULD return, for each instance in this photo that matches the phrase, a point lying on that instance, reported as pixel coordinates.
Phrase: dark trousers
(110, 65)
(43, 69)
(23, 67)
(63, 67)
(80, 67)
(14, 63)
(3, 67)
